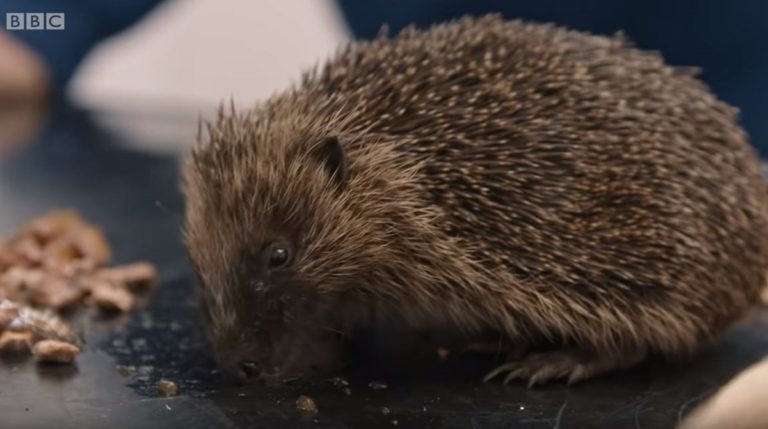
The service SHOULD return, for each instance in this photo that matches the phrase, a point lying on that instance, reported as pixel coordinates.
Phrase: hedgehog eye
(279, 256)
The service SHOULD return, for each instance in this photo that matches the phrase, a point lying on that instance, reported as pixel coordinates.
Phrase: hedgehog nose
(240, 366)
(249, 369)
(243, 371)
(259, 286)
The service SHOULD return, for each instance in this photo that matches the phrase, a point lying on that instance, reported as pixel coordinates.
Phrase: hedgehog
(566, 192)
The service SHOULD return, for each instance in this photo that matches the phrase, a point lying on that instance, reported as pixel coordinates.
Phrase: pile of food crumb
(24, 329)
(55, 263)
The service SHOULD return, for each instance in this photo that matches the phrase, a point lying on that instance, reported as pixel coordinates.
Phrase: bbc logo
(34, 21)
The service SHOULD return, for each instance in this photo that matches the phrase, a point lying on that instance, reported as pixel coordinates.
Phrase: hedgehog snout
(241, 364)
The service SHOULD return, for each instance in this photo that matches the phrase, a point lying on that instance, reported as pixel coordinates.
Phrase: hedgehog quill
(555, 187)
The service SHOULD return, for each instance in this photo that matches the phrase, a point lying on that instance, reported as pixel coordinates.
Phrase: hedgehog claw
(571, 365)
(519, 373)
(502, 368)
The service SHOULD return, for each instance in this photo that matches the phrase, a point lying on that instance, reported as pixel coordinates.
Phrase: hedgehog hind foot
(572, 365)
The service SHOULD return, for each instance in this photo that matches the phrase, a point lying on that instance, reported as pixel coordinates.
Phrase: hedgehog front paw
(572, 365)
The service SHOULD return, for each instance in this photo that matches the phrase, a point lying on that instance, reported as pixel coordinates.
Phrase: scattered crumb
(442, 353)
(347, 391)
(377, 385)
(126, 370)
(167, 387)
(385, 411)
(305, 404)
(167, 407)
(394, 422)
(55, 351)
(340, 381)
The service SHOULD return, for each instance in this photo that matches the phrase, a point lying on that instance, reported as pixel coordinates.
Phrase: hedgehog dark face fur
(548, 185)
(280, 241)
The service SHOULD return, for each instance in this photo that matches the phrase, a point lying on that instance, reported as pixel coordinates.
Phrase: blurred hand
(20, 124)
(22, 73)
(740, 404)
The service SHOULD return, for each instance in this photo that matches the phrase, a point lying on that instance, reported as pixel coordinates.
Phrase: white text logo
(35, 21)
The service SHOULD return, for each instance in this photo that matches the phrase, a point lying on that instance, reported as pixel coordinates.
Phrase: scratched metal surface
(134, 196)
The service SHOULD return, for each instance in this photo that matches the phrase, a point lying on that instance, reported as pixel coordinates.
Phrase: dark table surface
(134, 196)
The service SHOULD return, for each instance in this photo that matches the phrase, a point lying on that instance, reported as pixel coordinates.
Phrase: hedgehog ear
(330, 154)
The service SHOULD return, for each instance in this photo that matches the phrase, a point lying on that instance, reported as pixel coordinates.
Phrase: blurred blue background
(728, 40)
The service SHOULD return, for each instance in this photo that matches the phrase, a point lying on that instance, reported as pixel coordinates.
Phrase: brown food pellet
(55, 351)
(136, 275)
(70, 269)
(167, 387)
(110, 297)
(7, 258)
(55, 292)
(18, 280)
(28, 251)
(44, 324)
(92, 244)
(8, 312)
(60, 252)
(52, 225)
(15, 342)
(305, 404)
